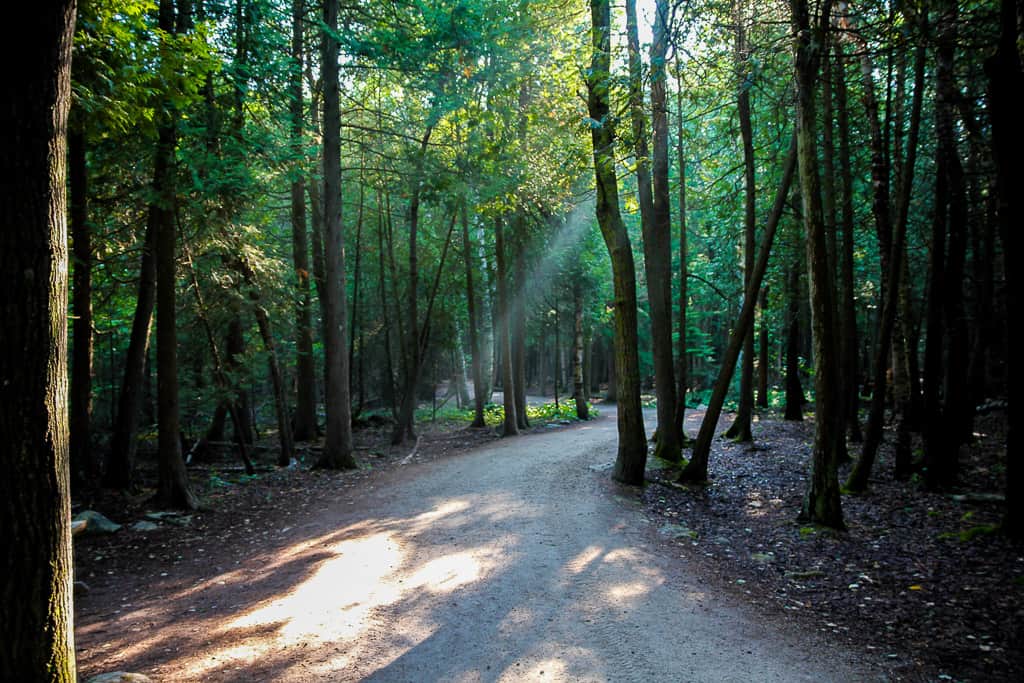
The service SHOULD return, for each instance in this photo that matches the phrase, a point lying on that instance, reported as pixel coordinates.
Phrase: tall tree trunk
(83, 464)
(762, 356)
(821, 504)
(578, 388)
(510, 426)
(848, 348)
(682, 361)
(659, 263)
(471, 311)
(305, 370)
(119, 470)
(389, 370)
(697, 469)
(36, 611)
(173, 487)
(1006, 82)
(518, 328)
(405, 428)
(858, 479)
(740, 428)
(656, 222)
(337, 452)
(794, 389)
(632, 450)
(946, 327)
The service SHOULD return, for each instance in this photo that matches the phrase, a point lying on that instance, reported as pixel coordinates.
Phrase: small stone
(120, 677)
(144, 526)
(95, 523)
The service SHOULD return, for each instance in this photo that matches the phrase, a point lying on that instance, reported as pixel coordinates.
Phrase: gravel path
(516, 561)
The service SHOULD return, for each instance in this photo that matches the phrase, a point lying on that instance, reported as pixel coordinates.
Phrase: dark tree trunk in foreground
(632, 451)
(36, 633)
(1006, 82)
(821, 504)
(946, 350)
(697, 469)
(83, 464)
(305, 370)
(337, 452)
(173, 487)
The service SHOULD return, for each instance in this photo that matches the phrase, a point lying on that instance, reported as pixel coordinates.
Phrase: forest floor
(917, 589)
(920, 582)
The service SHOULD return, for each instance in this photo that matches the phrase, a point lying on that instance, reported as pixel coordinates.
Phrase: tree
(173, 488)
(36, 634)
(1006, 78)
(305, 404)
(337, 452)
(821, 504)
(632, 451)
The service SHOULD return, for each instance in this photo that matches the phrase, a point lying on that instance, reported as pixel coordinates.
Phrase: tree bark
(36, 609)
(848, 313)
(858, 479)
(173, 487)
(683, 360)
(337, 452)
(305, 370)
(697, 469)
(821, 504)
(510, 426)
(83, 463)
(740, 428)
(632, 450)
(471, 311)
(578, 388)
(1006, 82)
(794, 389)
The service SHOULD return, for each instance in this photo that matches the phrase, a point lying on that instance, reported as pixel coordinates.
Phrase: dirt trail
(516, 561)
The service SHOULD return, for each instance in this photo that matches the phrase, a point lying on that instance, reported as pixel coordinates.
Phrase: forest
(259, 242)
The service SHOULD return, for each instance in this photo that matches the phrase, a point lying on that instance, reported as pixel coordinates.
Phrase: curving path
(517, 561)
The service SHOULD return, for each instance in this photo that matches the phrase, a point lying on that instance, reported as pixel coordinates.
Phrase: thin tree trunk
(697, 469)
(305, 370)
(740, 428)
(632, 450)
(762, 358)
(83, 464)
(474, 340)
(510, 426)
(119, 472)
(858, 479)
(682, 361)
(848, 312)
(518, 327)
(821, 504)
(578, 388)
(218, 372)
(794, 389)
